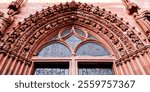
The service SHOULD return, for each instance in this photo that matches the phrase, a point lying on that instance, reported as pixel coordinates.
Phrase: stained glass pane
(73, 41)
(80, 32)
(94, 69)
(66, 32)
(54, 37)
(91, 36)
(92, 49)
(55, 50)
(52, 69)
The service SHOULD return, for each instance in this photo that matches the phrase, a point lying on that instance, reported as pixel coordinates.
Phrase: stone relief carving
(42, 17)
(131, 7)
(14, 7)
(143, 20)
(5, 21)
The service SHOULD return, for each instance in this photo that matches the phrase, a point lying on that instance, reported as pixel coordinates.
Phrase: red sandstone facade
(23, 31)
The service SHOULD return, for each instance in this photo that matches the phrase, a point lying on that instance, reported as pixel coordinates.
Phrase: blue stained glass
(92, 49)
(66, 32)
(55, 50)
(91, 36)
(54, 37)
(81, 33)
(73, 41)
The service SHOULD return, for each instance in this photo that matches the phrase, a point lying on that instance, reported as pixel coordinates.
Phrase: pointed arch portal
(35, 32)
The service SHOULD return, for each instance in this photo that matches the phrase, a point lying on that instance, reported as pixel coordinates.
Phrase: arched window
(73, 51)
(92, 49)
(55, 50)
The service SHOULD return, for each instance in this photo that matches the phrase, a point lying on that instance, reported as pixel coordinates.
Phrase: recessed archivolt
(27, 34)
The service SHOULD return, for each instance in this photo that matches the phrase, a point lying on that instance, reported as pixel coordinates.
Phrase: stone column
(121, 72)
(12, 67)
(21, 69)
(8, 64)
(144, 63)
(125, 68)
(3, 62)
(26, 69)
(128, 66)
(30, 69)
(135, 67)
(16, 70)
(116, 72)
(136, 57)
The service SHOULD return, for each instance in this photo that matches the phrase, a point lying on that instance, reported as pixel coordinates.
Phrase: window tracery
(73, 42)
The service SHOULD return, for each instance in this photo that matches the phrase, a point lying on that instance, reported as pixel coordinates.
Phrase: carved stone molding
(143, 19)
(4, 23)
(132, 55)
(27, 32)
(15, 55)
(14, 7)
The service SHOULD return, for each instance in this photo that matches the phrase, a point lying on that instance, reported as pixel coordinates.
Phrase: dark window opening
(92, 68)
(52, 68)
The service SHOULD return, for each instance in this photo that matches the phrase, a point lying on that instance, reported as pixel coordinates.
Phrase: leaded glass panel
(54, 37)
(81, 33)
(51, 71)
(55, 68)
(94, 69)
(66, 32)
(73, 41)
(55, 50)
(92, 49)
(91, 36)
